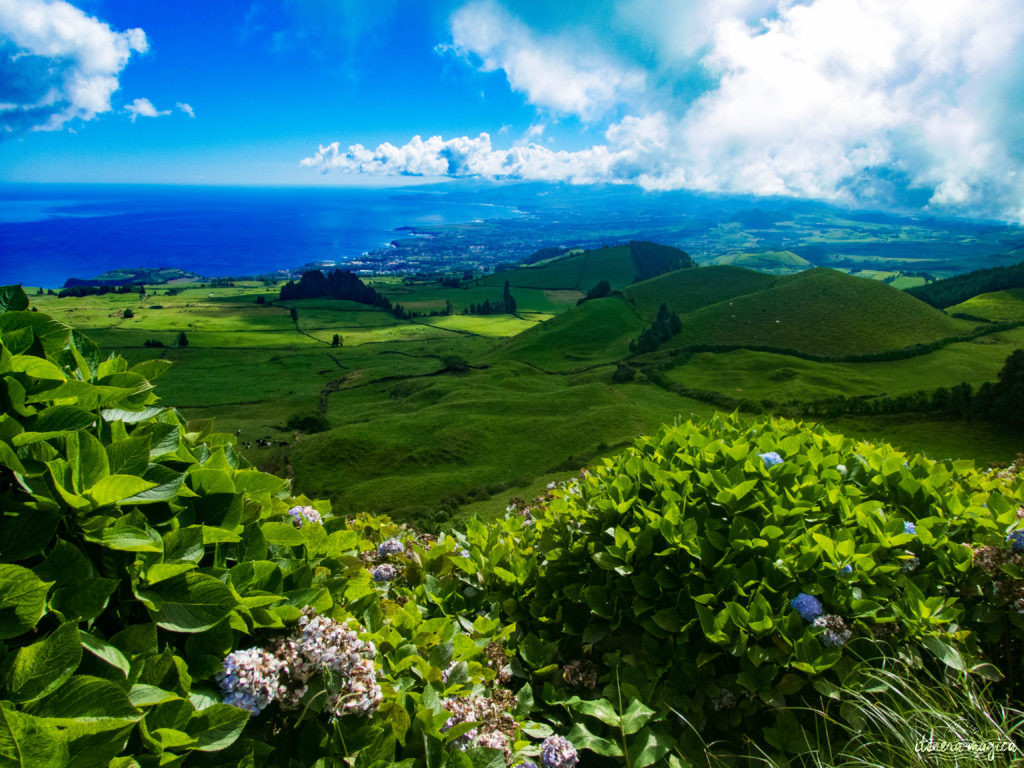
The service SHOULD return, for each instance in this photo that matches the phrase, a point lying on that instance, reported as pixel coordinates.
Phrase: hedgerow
(163, 603)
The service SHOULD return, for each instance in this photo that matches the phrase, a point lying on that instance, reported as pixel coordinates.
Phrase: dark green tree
(182, 340)
(336, 341)
(508, 302)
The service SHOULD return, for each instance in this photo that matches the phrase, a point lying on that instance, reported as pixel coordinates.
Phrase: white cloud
(144, 108)
(57, 64)
(554, 72)
(632, 151)
(861, 101)
(186, 108)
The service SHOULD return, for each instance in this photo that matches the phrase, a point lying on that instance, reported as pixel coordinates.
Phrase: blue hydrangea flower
(910, 528)
(558, 752)
(302, 515)
(1016, 540)
(385, 572)
(770, 459)
(807, 606)
(390, 547)
(846, 569)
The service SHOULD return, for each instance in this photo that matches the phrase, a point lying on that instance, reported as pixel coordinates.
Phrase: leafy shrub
(151, 580)
(623, 373)
(736, 574)
(310, 424)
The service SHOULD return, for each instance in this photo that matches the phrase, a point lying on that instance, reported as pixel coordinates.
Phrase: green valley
(442, 412)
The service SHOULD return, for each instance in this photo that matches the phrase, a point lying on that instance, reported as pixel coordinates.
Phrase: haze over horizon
(909, 106)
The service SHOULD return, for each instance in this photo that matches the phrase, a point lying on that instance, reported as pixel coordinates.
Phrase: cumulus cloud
(632, 152)
(554, 72)
(144, 108)
(58, 64)
(860, 101)
(186, 108)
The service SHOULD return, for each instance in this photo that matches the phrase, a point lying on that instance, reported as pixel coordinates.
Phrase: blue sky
(907, 104)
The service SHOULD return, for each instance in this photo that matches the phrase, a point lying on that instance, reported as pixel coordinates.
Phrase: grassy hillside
(820, 312)
(598, 331)
(998, 306)
(685, 290)
(577, 272)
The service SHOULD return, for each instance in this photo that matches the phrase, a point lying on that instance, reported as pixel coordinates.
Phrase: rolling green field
(464, 411)
(783, 378)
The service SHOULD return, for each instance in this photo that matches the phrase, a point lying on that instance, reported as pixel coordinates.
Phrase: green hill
(598, 331)
(781, 262)
(997, 306)
(620, 265)
(685, 290)
(820, 312)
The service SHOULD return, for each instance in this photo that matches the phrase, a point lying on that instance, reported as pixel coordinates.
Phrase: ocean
(49, 233)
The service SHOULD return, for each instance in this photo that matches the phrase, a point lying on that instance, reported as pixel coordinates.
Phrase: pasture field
(783, 378)
(407, 430)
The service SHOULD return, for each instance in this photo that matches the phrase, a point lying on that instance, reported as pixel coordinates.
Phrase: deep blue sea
(49, 233)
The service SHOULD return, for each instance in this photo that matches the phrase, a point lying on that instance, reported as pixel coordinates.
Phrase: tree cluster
(504, 306)
(599, 291)
(653, 259)
(953, 290)
(336, 284)
(665, 326)
(77, 291)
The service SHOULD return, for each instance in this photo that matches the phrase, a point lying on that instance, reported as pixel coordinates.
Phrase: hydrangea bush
(750, 570)
(163, 603)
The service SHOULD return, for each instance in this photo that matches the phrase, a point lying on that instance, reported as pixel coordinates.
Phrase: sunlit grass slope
(820, 312)
(597, 331)
(998, 306)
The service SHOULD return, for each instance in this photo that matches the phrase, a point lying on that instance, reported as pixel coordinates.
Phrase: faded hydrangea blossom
(496, 727)
(836, 634)
(329, 646)
(254, 678)
(580, 672)
(558, 752)
(250, 679)
(770, 459)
